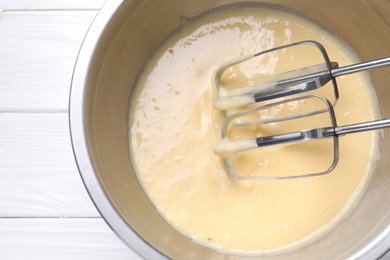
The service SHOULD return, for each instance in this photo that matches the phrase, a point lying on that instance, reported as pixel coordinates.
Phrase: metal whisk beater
(280, 89)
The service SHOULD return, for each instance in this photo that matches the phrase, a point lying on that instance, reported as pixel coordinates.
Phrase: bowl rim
(78, 136)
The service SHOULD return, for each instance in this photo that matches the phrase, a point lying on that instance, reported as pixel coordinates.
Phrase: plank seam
(50, 217)
(51, 111)
(47, 10)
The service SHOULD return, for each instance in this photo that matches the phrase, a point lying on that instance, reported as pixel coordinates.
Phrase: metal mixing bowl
(119, 41)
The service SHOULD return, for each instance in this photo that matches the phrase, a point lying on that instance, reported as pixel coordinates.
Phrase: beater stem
(299, 136)
(360, 127)
(360, 67)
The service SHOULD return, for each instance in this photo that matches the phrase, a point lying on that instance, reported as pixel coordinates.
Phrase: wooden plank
(39, 176)
(37, 55)
(50, 4)
(60, 239)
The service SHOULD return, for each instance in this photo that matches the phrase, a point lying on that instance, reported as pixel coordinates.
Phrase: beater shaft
(298, 136)
(291, 82)
(360, 67)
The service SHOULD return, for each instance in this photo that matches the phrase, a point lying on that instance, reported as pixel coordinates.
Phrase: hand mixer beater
(242, 106)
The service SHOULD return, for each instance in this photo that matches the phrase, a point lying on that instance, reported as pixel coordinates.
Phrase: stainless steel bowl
(120, 39)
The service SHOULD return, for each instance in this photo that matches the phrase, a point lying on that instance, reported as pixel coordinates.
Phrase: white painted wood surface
(36, 159)
(45, 212)
(60, 239)
(51, 4)
(38, 50)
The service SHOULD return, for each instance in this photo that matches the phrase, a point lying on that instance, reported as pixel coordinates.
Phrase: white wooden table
(45, 211)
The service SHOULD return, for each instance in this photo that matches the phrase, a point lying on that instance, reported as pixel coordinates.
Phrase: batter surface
(174, 128)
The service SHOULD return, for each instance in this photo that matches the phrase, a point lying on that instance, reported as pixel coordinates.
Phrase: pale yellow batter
(174, 127)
